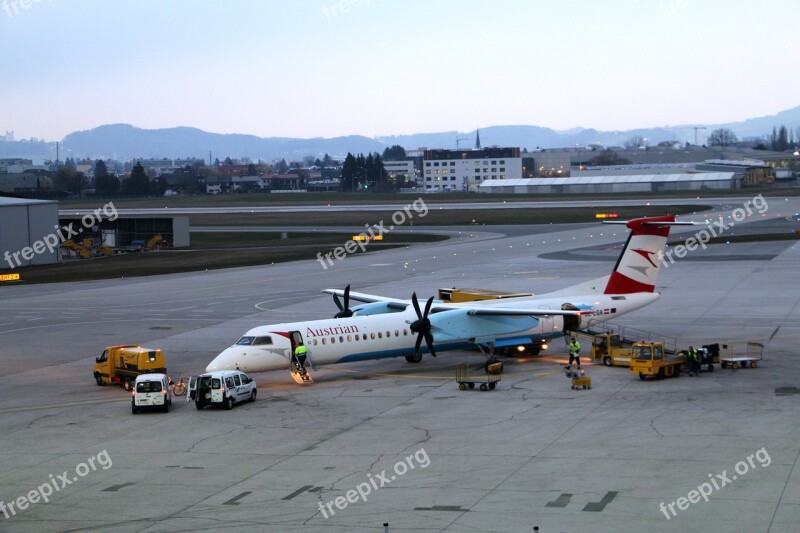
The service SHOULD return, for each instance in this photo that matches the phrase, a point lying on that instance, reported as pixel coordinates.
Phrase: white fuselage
(386, 335)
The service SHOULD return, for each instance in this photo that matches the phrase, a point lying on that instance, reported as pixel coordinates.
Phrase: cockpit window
(245, 341)
(262, 340)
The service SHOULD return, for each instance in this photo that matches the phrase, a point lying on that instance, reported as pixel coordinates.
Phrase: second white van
(224, 388)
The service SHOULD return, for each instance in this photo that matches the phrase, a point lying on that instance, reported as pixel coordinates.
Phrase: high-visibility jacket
(301, 350)
(694, 355)
(574, 346)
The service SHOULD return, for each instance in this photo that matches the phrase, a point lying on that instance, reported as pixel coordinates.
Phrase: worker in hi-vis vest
(300, 354)
(574, 353)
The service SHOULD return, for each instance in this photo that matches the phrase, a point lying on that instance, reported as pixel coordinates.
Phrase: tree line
(68, 179)
(361, 173)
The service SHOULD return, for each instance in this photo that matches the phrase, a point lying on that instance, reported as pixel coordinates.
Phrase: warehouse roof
(10, 201)
(596, 180)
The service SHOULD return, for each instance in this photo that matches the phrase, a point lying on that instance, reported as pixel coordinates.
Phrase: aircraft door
(296, 339)
(191, 395)
(571, 322)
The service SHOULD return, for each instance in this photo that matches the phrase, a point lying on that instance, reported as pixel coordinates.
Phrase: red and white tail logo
(638, 264)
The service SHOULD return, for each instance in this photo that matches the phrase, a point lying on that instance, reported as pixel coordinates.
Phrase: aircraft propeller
(344, 310)
(422, 326)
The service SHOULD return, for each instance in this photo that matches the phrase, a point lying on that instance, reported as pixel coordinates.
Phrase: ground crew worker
(300, 354)
(574, 353)
(694, 362)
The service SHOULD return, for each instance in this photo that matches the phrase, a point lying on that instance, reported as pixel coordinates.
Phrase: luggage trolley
(754, 354)
(486, 381)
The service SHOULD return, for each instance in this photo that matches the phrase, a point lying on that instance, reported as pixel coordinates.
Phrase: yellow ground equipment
(650, 359)
(471, 295)
(577, 378)
(584, 382)
(121, 364)
(154, 243)
(612, 349)
(78, 250)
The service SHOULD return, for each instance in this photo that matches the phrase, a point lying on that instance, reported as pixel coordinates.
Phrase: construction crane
(459, 139)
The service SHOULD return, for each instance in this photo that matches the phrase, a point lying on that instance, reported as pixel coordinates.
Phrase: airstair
(299, 377)
(627, 335)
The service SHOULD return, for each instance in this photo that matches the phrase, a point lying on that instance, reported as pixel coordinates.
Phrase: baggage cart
(465, 380)
(754, 352)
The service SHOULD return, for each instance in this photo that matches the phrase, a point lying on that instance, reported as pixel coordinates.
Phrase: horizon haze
(307, 69)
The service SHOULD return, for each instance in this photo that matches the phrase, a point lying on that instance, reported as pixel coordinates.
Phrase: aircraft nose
(221, 362)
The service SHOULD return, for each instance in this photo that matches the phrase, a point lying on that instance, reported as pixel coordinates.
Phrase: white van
(151, 391)
(226, 388)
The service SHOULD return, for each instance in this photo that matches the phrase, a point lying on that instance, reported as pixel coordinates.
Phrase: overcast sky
(311, 68)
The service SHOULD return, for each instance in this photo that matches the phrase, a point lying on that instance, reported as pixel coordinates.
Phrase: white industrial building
(466, 170)
(605, 184)
(23, 225)
(399, 169)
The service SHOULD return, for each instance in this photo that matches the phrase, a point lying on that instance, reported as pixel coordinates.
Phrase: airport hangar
(124, 230)
(623, 183)
(25, 222)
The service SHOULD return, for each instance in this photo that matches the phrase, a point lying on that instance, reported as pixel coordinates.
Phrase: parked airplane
(388, 327)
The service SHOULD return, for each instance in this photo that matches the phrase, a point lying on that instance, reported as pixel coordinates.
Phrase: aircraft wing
(393, 303)
(504, 311)
(438, 307)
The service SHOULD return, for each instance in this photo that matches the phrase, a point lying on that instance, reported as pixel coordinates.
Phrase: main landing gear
(492, 365)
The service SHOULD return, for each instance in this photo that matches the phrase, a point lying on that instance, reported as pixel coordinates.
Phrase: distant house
(247, 183)
(218, 184)
(27, 182)
(232, 170)
(286, 182)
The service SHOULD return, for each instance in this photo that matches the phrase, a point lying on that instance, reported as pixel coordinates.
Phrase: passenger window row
(358, 337)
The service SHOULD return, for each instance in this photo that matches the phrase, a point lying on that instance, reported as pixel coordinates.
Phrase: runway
(531, 453)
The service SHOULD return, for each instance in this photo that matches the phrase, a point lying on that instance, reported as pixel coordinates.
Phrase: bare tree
(608, 157)
(637, 141)
(722, 137)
